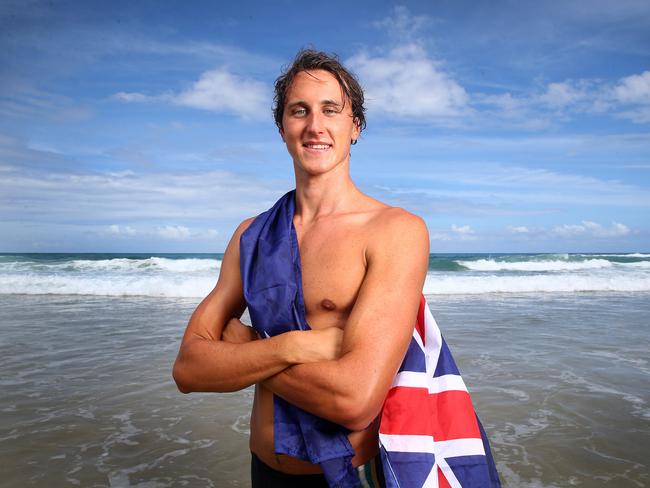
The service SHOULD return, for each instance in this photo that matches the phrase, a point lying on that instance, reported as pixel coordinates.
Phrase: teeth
(318, 146)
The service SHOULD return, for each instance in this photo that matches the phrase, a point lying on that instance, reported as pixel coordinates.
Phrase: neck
(324, 194)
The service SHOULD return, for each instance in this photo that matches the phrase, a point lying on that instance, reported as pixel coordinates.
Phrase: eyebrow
(331, 102)
(323, 102)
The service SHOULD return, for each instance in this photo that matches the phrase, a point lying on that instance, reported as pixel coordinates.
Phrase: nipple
(328, 304)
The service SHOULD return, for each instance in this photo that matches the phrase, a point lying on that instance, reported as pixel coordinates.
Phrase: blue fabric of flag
(272, 282)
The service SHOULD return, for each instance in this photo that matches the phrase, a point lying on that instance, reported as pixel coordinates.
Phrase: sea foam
(160, 276)
(437, 284)
(152, 286)
(494, 265)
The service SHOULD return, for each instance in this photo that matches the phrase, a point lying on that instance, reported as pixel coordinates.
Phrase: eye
(299, 112)
(330, 110)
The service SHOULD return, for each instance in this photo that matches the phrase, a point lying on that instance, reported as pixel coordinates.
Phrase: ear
(356, 131)
(281, 131)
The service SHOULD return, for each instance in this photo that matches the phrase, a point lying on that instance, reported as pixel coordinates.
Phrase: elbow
(357, 424)
(181, 378)
(189, 375)
(356, 421)
(357, 412)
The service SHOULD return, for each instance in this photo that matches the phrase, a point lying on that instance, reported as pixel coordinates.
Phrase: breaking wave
(195, 275)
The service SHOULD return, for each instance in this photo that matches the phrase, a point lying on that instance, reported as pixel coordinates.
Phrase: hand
(237, 333)
(319, 345)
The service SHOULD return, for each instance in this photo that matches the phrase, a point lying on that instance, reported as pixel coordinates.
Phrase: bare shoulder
(243, 226)
(231, 255)
(234, 240)
(385, 218)
(395, 223)
(396, 233)
(397, 216)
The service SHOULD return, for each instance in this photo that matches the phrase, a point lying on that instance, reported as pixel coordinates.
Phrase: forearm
(219, 366)
(337, 390)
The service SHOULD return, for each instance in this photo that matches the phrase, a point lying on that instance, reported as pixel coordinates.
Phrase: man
(363, 265)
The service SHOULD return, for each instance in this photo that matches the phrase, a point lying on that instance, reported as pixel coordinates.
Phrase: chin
(310, 165)
(318, 169)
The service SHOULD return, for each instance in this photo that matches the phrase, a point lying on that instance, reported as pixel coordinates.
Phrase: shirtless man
(363, 268)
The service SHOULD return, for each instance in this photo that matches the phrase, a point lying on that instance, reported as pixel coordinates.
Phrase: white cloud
(509, 105)
(216, 90)
(167, 232)
(221, 91)
(40, 187)
(518, 229)
(633, 92)
(439, 236)
(629, 98)
(585, 230)
(561, 95)
(131, 202)
(123, 230)
(508, 110)
(512, 185)
(133, 97)
(639, 115)
(402, 24)
(457, 232)
(620, 229)
(407, 83)
(566, 230)
(634, 89)
(174, 232)
(487, 189)
(589, 228)
(26, 101)
(546, 107)
(463, 230)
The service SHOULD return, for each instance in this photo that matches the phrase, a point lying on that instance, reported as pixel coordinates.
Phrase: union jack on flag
(429, 434)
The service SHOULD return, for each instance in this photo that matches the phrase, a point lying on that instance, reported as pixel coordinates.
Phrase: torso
(332, 252)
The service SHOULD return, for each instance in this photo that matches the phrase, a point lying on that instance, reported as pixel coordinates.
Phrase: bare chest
(333, 268)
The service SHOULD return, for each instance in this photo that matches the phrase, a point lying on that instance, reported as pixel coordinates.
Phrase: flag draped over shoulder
(272, 280)
(429, 434)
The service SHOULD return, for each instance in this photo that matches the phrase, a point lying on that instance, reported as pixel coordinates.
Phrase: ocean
(194, 275)
(553, 347)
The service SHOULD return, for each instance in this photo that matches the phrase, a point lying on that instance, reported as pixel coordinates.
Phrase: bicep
(225, 301)
(381, 323)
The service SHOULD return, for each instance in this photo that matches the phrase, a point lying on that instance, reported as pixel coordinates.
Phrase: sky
(508, 126)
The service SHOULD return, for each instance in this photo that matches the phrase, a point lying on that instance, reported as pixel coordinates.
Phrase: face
(317, 125)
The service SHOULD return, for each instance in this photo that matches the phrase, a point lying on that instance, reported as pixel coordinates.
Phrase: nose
(315, 123)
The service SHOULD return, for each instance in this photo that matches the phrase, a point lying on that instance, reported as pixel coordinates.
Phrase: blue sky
(512, 126)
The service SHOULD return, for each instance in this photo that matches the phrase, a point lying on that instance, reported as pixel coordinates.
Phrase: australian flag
(429, 434)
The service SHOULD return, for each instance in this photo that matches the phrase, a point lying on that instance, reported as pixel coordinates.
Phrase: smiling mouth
(317, 146)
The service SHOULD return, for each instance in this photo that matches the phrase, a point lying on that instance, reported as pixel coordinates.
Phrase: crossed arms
(342, 376)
